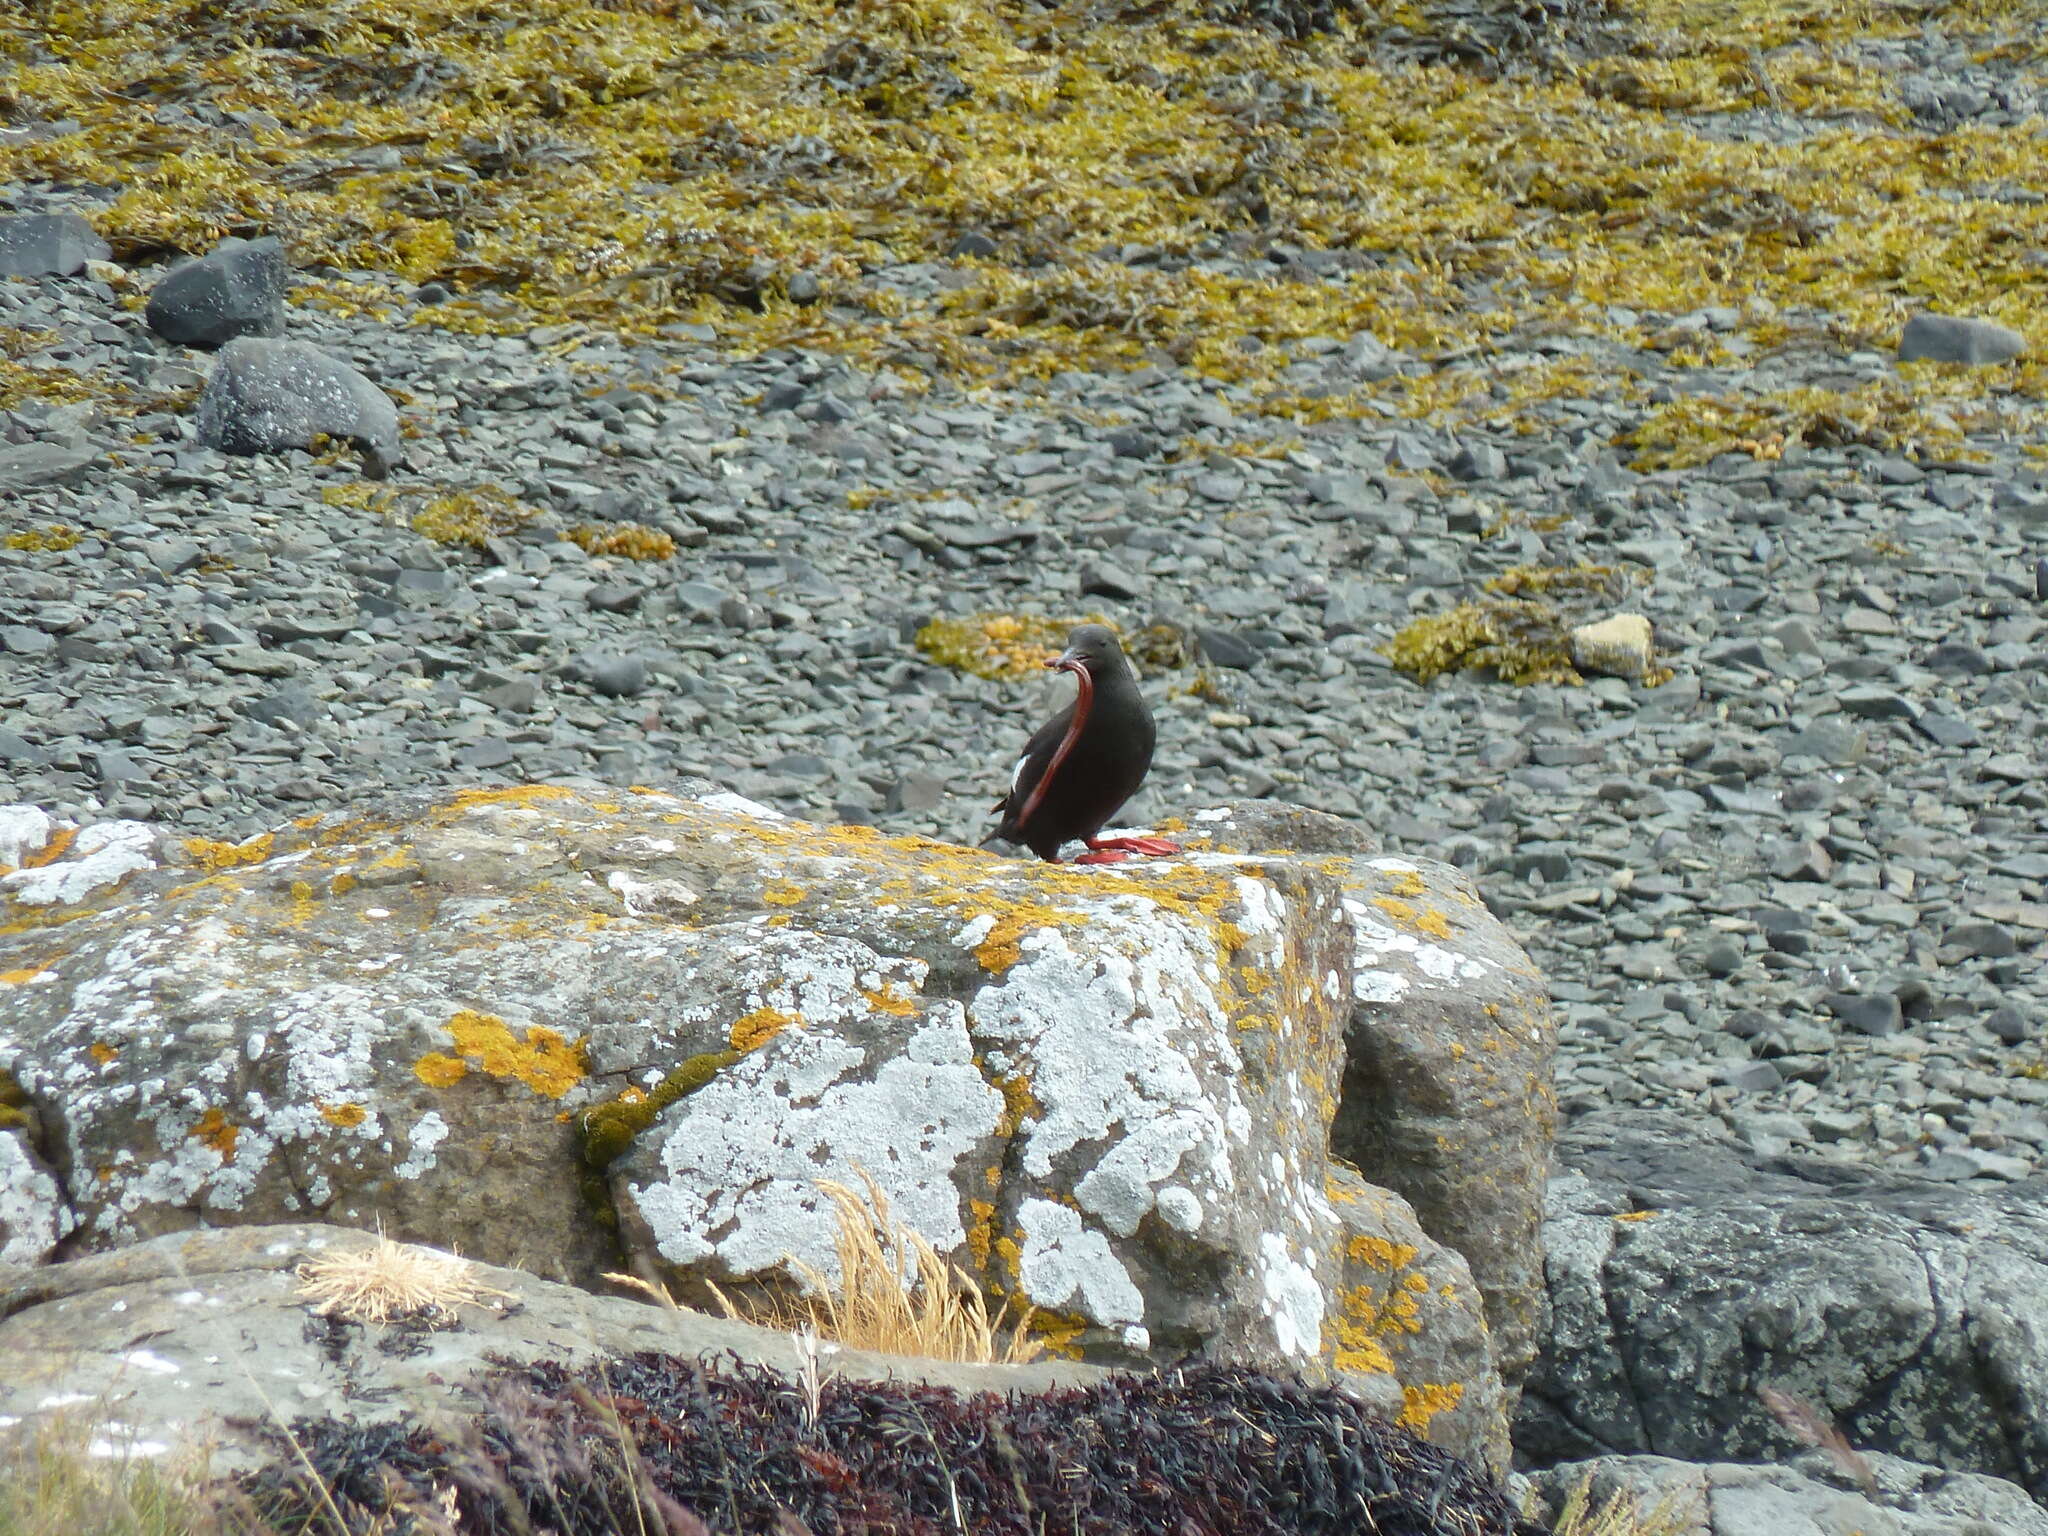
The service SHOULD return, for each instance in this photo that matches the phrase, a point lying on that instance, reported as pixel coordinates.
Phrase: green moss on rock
(609, 1128)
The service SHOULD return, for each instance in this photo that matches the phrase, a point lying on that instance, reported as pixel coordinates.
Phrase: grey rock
(1812, 1497)
(1226, 648)
(236, 289)
(1980, 941)
(1877, 704)
(48, 244)
(1104, 578)
(265, 396)
(26, 466)
(1478, 461)
(224, 1309)
(2008, 1024)
(387, 1088)
(617, 677)
(1867, 1014)
(1957, 339)
(1905, 1312)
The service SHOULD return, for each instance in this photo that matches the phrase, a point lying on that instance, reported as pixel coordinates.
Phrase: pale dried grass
(387, 1281)
(895, 1294)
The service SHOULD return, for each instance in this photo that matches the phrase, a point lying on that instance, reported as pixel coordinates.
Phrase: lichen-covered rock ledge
(567, 1028)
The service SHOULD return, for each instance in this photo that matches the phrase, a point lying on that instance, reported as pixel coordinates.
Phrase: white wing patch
(1017, 773)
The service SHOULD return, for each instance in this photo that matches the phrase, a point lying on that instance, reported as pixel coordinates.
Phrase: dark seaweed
(662, 1444)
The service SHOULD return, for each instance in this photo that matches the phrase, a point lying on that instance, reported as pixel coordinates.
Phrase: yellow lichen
(344, 1115)
(59, 844)
(542, 1060)
(102, 1053)
(21, 976)
(437, 1070)
(753, 1030)
(886, 999)
(213, 1129)
(210, 855)
(1379, 1253)
(1423, 1403)
(782, 893)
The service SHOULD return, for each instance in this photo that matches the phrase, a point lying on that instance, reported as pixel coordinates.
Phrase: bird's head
(1091, 649)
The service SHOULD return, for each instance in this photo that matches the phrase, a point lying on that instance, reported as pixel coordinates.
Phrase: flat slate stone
(1957, 339)
(48, 244)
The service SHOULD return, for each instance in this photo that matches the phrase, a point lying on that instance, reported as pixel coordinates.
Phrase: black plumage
(1082, 765)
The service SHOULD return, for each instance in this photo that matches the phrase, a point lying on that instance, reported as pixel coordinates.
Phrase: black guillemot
(1085, 762)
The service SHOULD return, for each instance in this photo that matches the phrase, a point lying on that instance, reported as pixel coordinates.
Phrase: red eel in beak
(1084, 700)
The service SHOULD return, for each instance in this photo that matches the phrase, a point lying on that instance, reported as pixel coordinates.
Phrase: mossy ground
(636, 165)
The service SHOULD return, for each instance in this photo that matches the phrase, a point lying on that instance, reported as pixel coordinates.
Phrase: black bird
(1084, 762)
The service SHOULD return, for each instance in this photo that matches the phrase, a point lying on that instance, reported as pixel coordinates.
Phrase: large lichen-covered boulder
(1446, 1096)
(544, 1025)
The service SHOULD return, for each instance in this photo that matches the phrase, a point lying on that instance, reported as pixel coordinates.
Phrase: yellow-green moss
(1523, 642)
(52, 539)
(14, 1102)
(631, 541)
(470, 517)
(609, 1128)
(996, 645)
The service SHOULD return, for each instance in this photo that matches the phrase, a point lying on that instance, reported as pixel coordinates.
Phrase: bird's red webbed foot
(1114, 850)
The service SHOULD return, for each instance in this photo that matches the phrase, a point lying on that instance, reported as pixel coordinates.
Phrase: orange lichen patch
(102, 1053)
(344, 1115)
(1635, 1215)
(1001, 948)
(439, 1071)
(207, 854)
(21, 977)
(753, 1030)
(1019, 1104)
(1379, 1253)
(1011, 1252)
(215, 1130)
(1409, 883)
(342, 883)
(302, 903)
(53, 850)
(1433, 923)
(543, 1061)
(1423, 1403)
(1399, 911)
(980, 1233)
(1060, 1333)
(516, 794)
(782, 893)
(886, 999)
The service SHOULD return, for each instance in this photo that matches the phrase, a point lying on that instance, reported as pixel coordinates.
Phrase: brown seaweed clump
(663, 1444)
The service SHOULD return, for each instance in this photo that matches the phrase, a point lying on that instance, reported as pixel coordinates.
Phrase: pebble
(236, 289)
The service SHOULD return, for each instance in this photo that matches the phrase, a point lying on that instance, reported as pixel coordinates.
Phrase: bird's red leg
(1113, 850)
(1084, 699)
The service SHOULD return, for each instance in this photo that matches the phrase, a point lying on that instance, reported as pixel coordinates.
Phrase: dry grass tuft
(389, 1280)
(1623, 1514)
(69, 1479)
(895, 1294)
